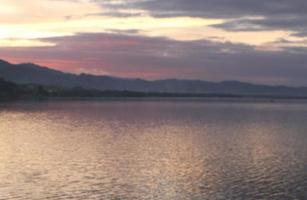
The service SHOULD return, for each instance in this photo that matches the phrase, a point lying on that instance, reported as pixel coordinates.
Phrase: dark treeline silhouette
(11, 91)
(81, 92)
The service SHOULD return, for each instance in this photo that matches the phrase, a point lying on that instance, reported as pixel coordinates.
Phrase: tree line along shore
(10, 91)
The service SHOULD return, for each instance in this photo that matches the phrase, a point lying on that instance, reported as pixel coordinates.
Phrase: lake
(171, 149)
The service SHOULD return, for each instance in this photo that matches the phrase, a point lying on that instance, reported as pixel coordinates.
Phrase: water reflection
(153, 150)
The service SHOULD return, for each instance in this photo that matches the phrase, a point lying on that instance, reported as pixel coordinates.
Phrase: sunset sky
(258, 41)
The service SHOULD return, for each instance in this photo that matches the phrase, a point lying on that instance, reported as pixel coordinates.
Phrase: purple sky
(262, 41)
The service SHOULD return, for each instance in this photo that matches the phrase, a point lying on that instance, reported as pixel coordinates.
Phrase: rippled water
(157, 150)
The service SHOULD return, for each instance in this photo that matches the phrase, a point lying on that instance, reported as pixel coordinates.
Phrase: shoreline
(243, 99)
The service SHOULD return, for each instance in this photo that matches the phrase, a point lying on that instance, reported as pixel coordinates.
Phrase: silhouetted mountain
(33, 74)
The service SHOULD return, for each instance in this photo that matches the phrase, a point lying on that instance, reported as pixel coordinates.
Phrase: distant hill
(29, 73)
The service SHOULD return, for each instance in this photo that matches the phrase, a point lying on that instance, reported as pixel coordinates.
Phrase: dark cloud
(115, 13)
(297, 24)
(136, 56)
(126, 32)
(276, 14)
(217, 8)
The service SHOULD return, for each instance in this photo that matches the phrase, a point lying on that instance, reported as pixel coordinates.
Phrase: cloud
(241, 15)
(297, 24)
(155, 58)
(215, 8)
(188, 20)
(262, 41)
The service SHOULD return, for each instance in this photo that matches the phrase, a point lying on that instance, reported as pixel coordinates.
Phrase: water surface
(170, 150)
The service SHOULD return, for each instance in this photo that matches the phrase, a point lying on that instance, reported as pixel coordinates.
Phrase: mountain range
(29, 73)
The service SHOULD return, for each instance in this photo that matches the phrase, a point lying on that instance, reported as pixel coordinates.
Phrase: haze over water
(162, 150)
